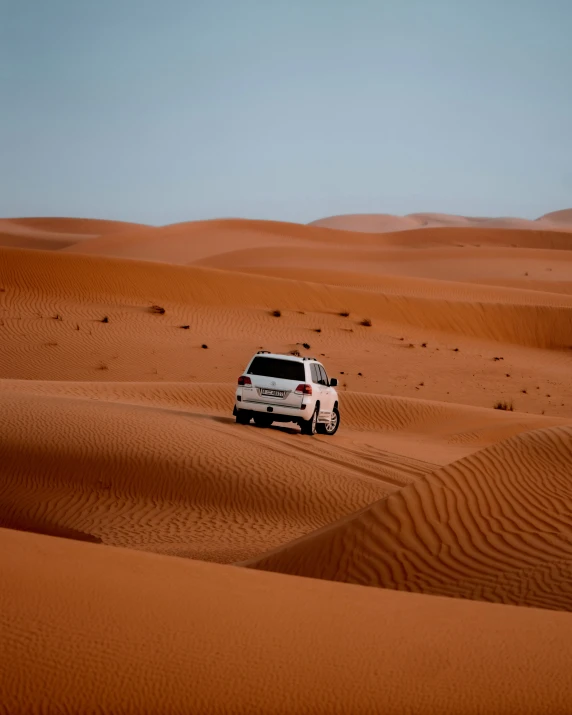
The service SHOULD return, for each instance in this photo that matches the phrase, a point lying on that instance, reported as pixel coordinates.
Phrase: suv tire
(243, 417)
(309, 426)
(331, 427)
(262, 420)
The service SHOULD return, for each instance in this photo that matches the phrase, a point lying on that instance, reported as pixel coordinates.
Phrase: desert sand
(158, 557)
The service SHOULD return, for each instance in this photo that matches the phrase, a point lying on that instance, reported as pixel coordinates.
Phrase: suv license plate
(272, 393)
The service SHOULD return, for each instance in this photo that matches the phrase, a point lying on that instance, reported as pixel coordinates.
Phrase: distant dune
(378, 223)
(56, 233)
(123, 471)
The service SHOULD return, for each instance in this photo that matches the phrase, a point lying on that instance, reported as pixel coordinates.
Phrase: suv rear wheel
(330, 427)
(309, 426)
(243, 417)
(262, 420)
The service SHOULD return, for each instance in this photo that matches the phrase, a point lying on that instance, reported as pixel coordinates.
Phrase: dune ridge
(494, 526)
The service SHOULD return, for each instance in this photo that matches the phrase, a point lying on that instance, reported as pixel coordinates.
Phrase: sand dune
(560, 217)
(494, 526)
(377, 223)
(56, 233)
(87, 627)
(164, 468)
(116, 428)
(174, 481)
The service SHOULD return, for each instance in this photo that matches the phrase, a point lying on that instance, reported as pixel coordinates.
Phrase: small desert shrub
(185, 327)
(455, 350)
(157, 309)
(204, 347)
(102, 366)
(506, 406)
(317, 330)
(306, 346)
(57, 316)
(276, 313)
(105, 319)
(366, 322)
(344, 313)
(423, 345)
(524, 391)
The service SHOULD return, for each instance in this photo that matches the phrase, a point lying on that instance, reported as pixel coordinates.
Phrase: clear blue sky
(286, 109)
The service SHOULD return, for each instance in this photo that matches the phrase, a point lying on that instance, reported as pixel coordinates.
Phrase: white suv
(284, 388)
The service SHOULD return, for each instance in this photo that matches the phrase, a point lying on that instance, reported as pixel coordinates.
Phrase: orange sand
(120, 433)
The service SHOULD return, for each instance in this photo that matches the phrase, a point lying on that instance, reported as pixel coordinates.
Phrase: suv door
(328, 396)
(320, 379)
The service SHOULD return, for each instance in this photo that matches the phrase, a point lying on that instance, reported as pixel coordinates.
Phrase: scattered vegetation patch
(423, 345)
(157, 310)
(496, 359)
(366, 322)
(306, 346)
(506, 406)
(276, 313)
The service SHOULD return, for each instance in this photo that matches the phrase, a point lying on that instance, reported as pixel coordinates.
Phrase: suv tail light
(244, 380)
(304, 389)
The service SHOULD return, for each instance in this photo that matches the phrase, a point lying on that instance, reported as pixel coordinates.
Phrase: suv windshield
(274, 367)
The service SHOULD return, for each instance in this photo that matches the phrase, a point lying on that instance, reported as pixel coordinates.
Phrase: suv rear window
(274, 367)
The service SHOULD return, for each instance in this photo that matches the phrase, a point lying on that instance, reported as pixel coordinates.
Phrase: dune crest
(494, 526)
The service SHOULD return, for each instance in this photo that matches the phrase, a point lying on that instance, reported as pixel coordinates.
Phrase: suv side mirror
(334, 382)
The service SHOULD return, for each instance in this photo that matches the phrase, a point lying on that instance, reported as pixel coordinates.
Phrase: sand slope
(88, 627)
(164, 468)
(494, 526)
(56, 233)
(175, 481)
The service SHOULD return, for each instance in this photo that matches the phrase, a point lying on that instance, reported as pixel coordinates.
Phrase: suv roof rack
(262, 352)
(309, 358)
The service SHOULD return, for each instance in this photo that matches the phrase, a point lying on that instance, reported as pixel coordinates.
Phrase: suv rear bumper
(304, 412)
